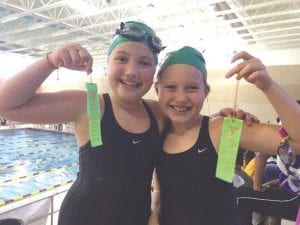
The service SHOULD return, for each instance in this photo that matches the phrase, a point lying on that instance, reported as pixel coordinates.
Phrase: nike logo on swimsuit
(202, 150)
(136, 142)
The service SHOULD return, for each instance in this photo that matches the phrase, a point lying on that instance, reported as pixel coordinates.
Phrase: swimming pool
(35, 160)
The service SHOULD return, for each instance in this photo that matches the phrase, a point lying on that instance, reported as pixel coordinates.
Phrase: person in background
(240, 161)
(273, 199)
(264, 172)
(114, 181)
(3, 121)
(271, 194)
(190, 193)
(249, 166)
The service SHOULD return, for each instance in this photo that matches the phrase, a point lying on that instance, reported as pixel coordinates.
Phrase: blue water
(32, 160)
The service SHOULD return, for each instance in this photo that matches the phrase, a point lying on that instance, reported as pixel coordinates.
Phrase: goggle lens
(288, 159)
(156, 43)
(294, 184)
(136, 34)
(286, 154)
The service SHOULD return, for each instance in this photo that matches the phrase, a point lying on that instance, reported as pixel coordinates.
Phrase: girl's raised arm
(254, 71)
(20, 102)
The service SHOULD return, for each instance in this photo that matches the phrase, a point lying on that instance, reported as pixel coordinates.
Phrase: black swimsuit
(114, 182)
(190, 193)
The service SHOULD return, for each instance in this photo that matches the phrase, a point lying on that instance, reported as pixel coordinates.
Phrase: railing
(7, 210)
(65, 127)
(50, 199)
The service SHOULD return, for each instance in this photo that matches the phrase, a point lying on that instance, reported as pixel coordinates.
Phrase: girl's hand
(257, 187)
(73, 57)
(153, 220)
(251, 69)
(238, 114)
(272, 183)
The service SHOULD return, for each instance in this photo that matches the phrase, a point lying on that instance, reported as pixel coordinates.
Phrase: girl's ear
(206, 92)
(156, 87)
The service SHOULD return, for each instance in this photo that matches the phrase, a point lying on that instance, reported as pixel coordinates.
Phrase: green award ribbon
(95, 132)
(93, 112)
(230, 139)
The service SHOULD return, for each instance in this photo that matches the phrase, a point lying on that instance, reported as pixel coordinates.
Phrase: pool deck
(45, 205)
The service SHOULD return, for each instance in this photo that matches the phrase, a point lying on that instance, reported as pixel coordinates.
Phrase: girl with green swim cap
(114, 182)
(190, 193)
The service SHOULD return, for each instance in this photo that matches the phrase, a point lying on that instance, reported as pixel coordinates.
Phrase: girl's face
(130, 68)
(181, 93)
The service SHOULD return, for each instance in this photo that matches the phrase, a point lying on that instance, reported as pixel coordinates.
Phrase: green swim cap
(150, 37)
(186, 55)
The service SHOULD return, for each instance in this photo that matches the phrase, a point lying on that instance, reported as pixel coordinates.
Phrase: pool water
(34, 160)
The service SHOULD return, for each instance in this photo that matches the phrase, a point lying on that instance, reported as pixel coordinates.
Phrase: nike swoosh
(136, 142)
(202, 150)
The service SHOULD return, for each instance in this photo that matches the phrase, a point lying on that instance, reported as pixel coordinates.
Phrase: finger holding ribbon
(251, 69)
(238, 114)
(246, 116)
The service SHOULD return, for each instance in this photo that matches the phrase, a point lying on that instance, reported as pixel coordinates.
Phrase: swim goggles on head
(137, 34)
(286, 161)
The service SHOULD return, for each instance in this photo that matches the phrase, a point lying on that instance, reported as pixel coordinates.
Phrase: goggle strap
(293, 187)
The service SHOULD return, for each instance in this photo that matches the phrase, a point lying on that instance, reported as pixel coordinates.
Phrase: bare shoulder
(215, 130)
(102, 104)
(158, 113)
(153, 104)
(215, 122)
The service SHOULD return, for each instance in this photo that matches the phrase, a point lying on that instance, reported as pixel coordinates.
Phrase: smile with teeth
(180, 108)
(129, 83)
